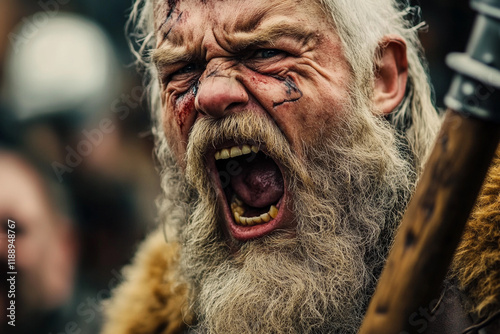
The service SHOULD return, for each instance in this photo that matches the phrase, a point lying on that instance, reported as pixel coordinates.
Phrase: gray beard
(349, 192)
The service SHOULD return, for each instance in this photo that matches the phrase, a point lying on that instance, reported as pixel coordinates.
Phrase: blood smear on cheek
(184, 106)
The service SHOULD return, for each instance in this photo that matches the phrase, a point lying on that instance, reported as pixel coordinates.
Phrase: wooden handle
(433, 224)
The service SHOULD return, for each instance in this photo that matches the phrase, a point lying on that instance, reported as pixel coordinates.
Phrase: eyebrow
(169, 56)
(239, 41)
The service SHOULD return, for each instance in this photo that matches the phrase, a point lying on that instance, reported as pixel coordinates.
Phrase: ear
(391, 74)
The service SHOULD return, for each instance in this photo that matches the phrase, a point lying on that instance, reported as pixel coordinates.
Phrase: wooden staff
(434, 221)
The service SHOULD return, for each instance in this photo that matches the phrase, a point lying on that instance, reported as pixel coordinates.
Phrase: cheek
(272, 91)
(184, 110)
(179, 118)
(302, 106)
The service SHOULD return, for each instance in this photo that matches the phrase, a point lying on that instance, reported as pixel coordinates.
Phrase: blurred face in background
(45, 244)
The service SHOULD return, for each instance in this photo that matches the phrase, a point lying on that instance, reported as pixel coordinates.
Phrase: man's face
(288, 239)
(278, 60)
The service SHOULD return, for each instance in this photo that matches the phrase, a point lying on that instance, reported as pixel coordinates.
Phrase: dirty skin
(165, 35)
(172, 10)
(184, 103)
(169, 16)
(172, 5)
(216, 71)
(292, 91)
(184, 106)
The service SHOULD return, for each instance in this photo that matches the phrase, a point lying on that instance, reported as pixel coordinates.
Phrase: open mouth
(253, 190)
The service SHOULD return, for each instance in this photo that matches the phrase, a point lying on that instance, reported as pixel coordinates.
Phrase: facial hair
(349, 190)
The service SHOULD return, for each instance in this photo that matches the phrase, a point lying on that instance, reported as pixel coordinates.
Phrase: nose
(219, 94)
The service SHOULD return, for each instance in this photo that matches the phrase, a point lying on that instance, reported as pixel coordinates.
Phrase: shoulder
(476, 266)
(151, 299)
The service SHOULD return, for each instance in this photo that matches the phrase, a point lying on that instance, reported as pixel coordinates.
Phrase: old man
(291, 135)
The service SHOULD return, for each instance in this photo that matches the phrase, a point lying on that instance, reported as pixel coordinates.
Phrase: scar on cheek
(184, 106)
(291, 87)
(292, 92)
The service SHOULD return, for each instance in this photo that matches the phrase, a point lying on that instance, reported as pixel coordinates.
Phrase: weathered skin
(298, 76)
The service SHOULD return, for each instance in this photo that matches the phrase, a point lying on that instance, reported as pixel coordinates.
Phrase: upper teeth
(235, 151)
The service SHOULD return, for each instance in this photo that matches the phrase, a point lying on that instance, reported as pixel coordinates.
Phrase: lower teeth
(238, 211)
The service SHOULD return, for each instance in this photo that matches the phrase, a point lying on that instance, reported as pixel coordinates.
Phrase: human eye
(187, 71)
(189, 68)
(267, 53)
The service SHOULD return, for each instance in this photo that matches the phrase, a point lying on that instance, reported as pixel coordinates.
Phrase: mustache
(343, 227)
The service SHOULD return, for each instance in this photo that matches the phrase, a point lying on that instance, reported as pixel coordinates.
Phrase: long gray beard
(349, 191)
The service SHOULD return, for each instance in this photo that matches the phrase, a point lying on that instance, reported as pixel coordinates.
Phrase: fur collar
(151, 301)
(476, 266)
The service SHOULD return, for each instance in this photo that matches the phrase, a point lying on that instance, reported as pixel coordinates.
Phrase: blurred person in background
(45, 242)
(71, 108)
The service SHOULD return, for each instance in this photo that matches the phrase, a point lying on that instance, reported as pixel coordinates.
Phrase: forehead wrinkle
(248, 31)
(247, 21)
(269, 33)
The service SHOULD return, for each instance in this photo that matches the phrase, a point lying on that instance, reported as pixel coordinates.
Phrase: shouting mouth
(251, 190)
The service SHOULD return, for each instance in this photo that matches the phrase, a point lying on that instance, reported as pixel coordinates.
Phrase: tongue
(260, 184)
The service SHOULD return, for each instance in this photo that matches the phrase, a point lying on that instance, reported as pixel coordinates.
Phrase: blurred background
(77, 173)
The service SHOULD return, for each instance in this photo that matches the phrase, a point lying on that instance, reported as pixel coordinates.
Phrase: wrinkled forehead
(235, 13)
